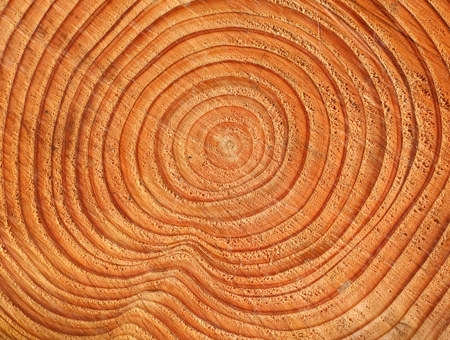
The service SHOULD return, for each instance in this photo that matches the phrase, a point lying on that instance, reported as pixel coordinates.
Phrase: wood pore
(271, 169)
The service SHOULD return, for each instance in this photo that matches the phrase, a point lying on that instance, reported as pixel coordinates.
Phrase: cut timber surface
(272, 169)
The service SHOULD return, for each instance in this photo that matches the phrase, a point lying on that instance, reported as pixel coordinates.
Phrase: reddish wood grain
(224, 169)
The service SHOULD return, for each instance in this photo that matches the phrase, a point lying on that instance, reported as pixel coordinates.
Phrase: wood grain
(224, 169)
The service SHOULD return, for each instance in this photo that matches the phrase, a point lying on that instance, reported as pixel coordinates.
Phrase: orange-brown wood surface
(272, 169)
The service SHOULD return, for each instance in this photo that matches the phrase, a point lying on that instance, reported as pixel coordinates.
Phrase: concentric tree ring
(195, 169)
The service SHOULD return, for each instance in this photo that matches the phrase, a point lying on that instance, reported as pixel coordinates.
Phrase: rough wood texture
(224, 168)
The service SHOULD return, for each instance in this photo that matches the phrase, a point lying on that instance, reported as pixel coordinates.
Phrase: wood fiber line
(272, 169)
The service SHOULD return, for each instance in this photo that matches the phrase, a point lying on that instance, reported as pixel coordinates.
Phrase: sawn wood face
(271, 169)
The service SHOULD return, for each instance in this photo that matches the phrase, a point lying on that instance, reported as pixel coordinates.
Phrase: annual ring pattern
(224, 169)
